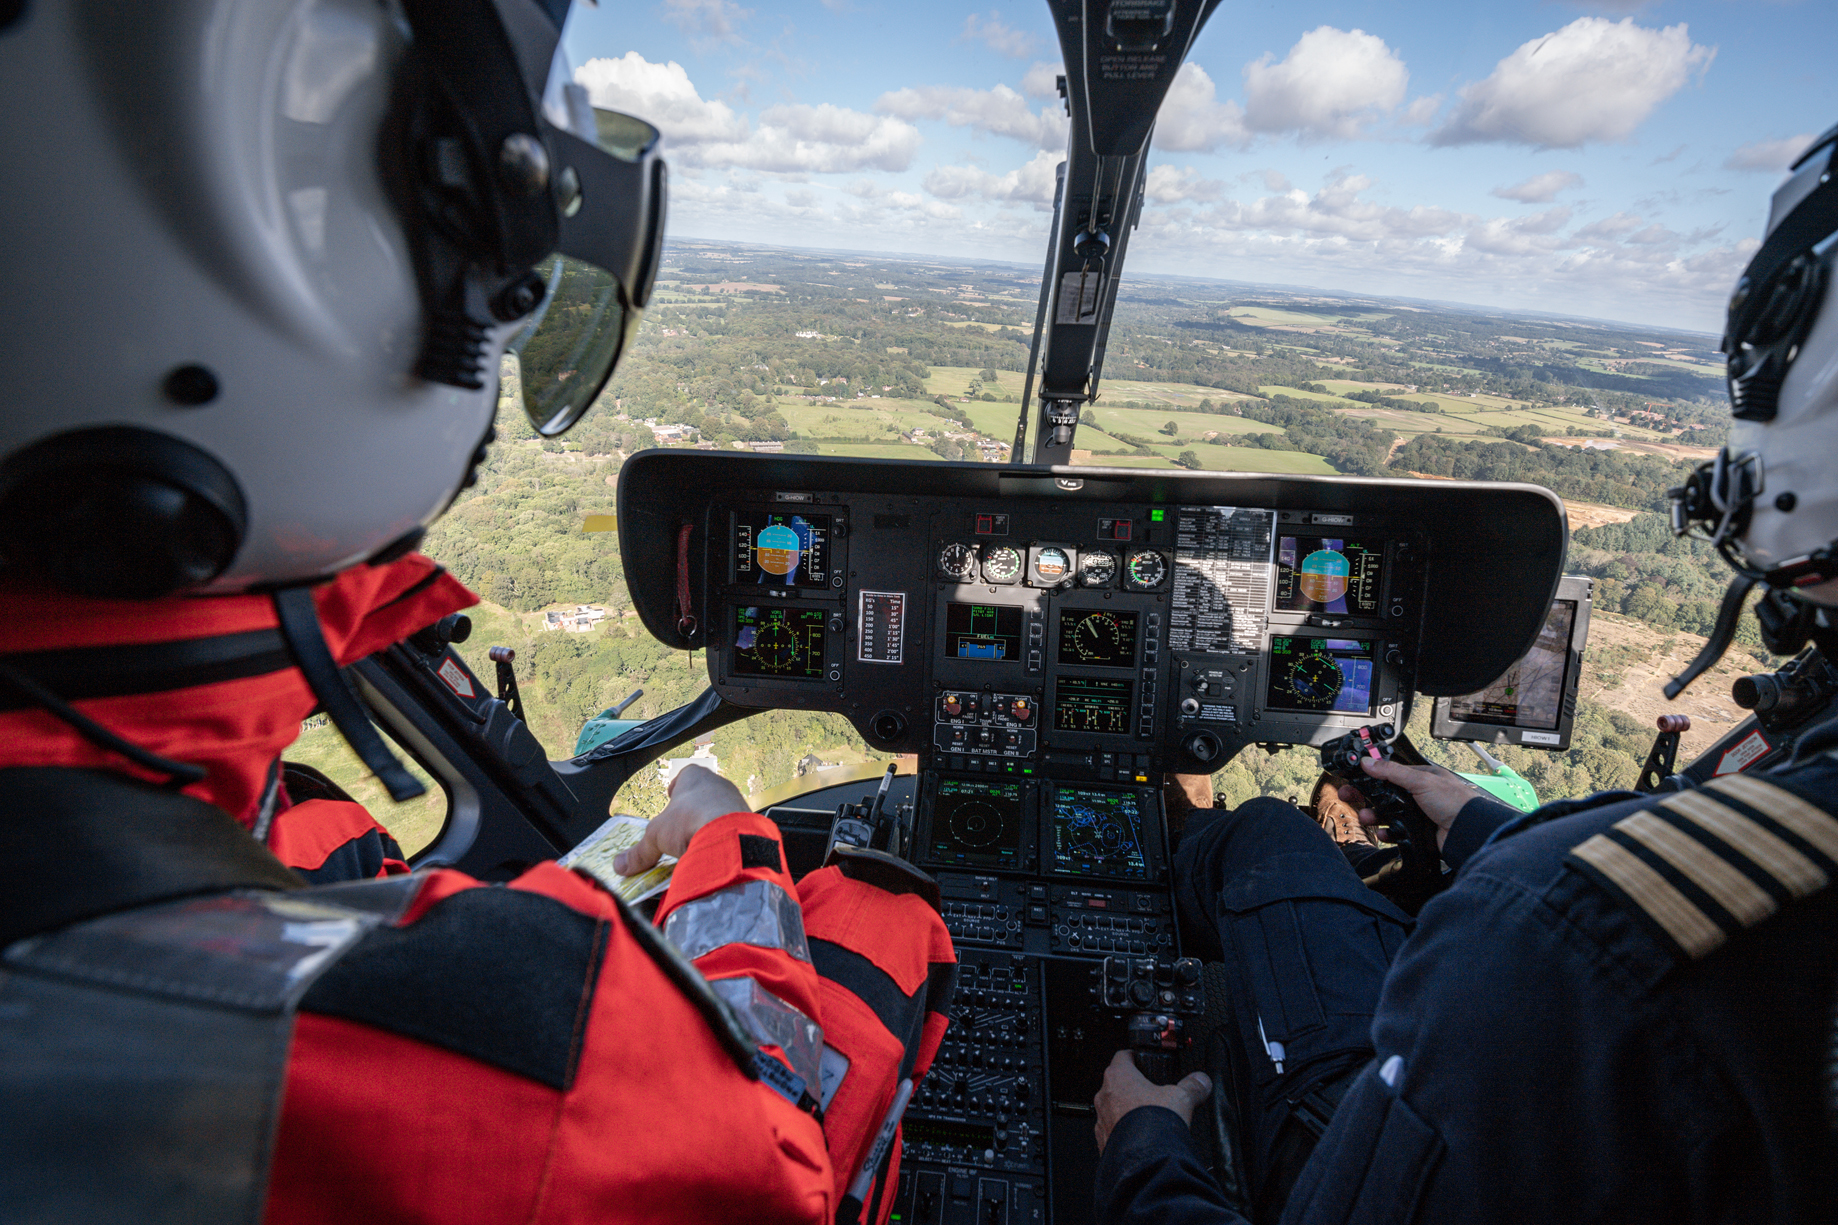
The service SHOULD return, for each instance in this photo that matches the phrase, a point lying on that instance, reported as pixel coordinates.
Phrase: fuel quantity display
(1329, 675)
(1329, 574)
(782, 642)
(781, 549)
(990, 632)
(1088, 704)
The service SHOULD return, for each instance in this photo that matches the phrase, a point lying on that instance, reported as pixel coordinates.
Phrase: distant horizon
(1131, 274)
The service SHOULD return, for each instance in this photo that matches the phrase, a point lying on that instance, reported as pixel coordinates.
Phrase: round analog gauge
(1098, 639)
(1001, 563)
(1146, 569)
(1097, 568)
(1051, 564)
(957, 561)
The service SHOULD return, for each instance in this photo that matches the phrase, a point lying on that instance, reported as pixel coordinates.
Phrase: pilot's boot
(1339, 818)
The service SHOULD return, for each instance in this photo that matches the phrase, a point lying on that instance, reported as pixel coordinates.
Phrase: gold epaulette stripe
(1695, 933)
(1796, 873)
(1747, 902)
(1818, 828)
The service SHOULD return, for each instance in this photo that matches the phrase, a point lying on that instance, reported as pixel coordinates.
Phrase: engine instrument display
(1098, 832)
(1089, 704)
(1329, 574)
(781, 642)
(1097, 568)
(989, 632)
(1145, 570)
(1097, 638)
(1327, 675)
(1001, 563)
(781, 550)
(977, 823)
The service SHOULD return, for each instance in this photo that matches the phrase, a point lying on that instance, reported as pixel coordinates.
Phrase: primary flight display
(1329, 574)
(784, 550)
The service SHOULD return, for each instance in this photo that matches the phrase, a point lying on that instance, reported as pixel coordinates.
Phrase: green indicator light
(1155, 516)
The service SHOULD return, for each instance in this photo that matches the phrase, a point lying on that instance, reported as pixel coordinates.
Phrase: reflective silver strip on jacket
(773, 1022)
(756, 912)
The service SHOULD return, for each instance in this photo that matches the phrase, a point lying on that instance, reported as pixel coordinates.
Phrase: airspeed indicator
(1145, 570)
(1001, 563)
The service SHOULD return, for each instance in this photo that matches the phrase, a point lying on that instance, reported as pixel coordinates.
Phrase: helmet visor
(596, 285)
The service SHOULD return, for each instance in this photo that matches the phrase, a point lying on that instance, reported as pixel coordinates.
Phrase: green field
(1267, 315)
(877, 450)
(1223, 459)
(995, 421)
(1147, 423)
(1113, 391)
(853, 418)
(955, 381)
(1296, 393)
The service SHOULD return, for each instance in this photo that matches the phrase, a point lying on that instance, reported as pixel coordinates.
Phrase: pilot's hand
(697, 796)
(1440, 793)
(1126, 1088)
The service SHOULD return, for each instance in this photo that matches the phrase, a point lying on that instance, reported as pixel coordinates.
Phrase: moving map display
(1087, 704)
(782, 550)
(977, 823)
(1098, 833)
(1531, 694)
(1329, 675)
(783, 642)
(1329, 574)
(1097, 638)
(982, 631)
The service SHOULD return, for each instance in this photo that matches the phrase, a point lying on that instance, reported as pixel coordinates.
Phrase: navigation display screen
(1097, 638)
(781, 549)
(977, 823)
(1330, 675)
(1531, 694)
(1098, 833)
(983, 631)
(1329, 574)
(1086, 704)
(783, 642)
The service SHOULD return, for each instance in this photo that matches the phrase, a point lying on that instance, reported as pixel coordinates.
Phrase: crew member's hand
(1440, 793)
(697, 796)
(1125, 1088)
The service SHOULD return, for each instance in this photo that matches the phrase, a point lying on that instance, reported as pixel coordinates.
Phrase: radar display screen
(1329, 574)
(1531, 694)
(783, 642)
(1097, 638)
(781, 549)
(1086, 704)
(1098, 833)
(982, 631)
(977, 823)
(1329, 675)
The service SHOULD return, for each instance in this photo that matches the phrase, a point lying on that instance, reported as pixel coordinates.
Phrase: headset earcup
(119, 512)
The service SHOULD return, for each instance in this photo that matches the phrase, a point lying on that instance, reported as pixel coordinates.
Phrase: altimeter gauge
(1145, 570)
(1097, 568)
(958, 561)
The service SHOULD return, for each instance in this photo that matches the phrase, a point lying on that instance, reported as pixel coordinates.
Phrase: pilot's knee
(1229, 842)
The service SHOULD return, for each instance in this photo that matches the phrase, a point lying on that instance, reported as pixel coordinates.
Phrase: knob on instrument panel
(1203, 746)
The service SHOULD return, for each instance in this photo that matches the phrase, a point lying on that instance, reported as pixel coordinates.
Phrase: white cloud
(1540, 188)
(661, 93)
(1332, 85)
(796, 139)
(711, 19)
(1193, 120)
(1000, 111)
(1032, 183)
(1770, 156)
(999, 37)
(1178, 185)
(1042, 81)
(1593, 80)
(1610, 229)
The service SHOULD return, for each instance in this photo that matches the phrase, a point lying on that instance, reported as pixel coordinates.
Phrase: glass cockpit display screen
(1089, 704)
(1531, 694)
(983, 631)
(1329, 574)
(1328, 675)
(977, 823)
(782, 642)
(1097, 832)
(779, 549)
(1097, 638)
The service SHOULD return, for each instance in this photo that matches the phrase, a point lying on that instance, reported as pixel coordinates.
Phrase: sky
(1609, 160)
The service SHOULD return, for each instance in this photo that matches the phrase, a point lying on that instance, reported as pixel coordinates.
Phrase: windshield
(1424, 241)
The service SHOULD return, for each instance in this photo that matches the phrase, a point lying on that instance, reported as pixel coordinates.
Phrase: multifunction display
(783, 642)
(781, 549)
(1531, 694)
(1097, 638)
(990, 632)
(977, 823)
(1088, 704)
(1329, 574)
(1326, 675)
(1098, 832)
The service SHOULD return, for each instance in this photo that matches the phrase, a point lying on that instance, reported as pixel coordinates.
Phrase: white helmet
(261, 260)
(1769, 501)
